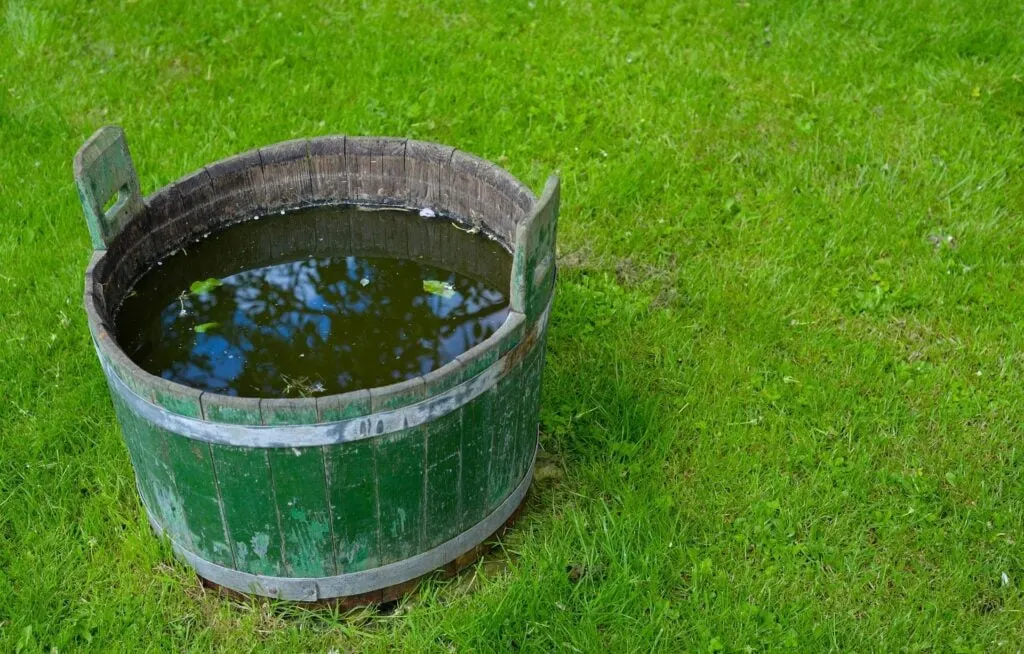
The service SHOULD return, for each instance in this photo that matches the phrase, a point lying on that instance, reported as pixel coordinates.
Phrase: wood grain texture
(117, 362)
(199, 495)
(92, 296)
(288, 411)
(351, 478)
(197, 194)
(443, 483)
(533, 260)
(104, 170)
(508, 398)
(287, 178)
(246, 482)
(480, 191)
(333, 232)
(165, 206)
(235, 410)
(354, 404)
(392, 163)
(328, 174)
(529, 416)
(95, 314)
(477, 436)
(239, 188)
(364, 162)
(426, 165)
(301, 495)
(129, 259)
(178, 398)
(397, 395)
(401, 474)
(180, 212)
(156, 487)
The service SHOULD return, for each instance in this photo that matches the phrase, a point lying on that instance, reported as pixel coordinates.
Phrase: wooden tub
(343, 496)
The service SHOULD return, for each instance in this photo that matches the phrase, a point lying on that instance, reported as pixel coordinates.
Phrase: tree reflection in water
(338, 323)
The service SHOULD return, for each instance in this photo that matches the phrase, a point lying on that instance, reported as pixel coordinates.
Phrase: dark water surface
(293, 305)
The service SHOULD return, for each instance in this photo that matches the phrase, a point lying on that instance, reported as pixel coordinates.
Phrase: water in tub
(316, 301)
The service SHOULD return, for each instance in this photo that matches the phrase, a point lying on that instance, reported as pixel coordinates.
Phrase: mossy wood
(346, 495)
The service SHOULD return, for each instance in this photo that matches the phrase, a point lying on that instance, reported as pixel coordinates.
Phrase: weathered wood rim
(385, 172)
(312, 589)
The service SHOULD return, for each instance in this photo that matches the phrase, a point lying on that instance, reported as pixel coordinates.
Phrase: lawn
(785, 377)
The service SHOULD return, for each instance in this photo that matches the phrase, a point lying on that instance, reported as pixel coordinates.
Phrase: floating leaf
(364, 282)
(204, 286)
(205, 327)
(444, 289)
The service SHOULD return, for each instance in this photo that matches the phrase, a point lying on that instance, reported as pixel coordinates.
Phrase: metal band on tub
(318, 434)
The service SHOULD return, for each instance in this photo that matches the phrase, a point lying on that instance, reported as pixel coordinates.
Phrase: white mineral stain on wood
(260, 543)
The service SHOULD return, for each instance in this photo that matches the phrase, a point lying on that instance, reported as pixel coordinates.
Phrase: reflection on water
(307, 326)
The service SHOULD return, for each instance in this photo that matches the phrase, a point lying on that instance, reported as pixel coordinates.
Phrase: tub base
(382, 584)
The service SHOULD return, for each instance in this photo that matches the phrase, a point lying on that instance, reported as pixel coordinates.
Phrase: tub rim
(103, 166)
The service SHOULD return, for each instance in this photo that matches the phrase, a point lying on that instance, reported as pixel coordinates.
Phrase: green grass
(785, 380)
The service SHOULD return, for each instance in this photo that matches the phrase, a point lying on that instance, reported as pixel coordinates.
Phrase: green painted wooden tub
(338, 496)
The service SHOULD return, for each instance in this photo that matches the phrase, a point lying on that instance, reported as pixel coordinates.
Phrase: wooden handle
(104, 171)
(533, 263)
